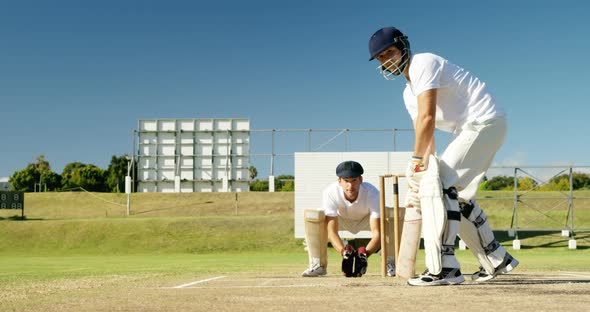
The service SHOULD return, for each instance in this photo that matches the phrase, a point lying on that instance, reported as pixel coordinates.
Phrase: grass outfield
(69, 255)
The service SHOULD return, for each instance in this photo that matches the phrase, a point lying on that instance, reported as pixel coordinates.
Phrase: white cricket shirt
(335, 204)
(461, 97)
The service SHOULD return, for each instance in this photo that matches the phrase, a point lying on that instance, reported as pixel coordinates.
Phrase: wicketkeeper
(348, 204)
(442, 95)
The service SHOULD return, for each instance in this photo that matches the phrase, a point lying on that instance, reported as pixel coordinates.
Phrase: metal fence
(553, 210)
(272, 152)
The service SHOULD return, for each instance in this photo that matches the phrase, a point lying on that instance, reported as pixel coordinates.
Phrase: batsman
(439, 94)
(348, 204)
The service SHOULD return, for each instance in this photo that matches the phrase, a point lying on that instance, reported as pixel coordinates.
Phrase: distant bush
(580, 181)
(283, 183)
(259, 186)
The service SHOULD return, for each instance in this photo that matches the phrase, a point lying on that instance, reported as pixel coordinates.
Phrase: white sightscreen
(315, 171)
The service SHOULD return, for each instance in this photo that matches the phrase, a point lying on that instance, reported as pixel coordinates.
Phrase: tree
(259, 186)
(498, 183)
(525, 184)
(25, 179)
(581, 180)
(253, 172)
(116, 172)
(285, 183)
(42, 165)
(86, 176)
(38, 173)
(51, 180)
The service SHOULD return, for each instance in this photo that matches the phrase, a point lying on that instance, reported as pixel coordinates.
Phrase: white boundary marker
(198, 282)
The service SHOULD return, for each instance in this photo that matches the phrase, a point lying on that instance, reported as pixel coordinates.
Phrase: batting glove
(360, 263)
(412, 199)
(414, 172)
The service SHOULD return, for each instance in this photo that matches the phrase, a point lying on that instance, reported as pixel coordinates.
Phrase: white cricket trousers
(469, 155)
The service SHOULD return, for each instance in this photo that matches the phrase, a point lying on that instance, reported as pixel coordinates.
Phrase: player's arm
(375, 242)
(424, 123)
(333, 236)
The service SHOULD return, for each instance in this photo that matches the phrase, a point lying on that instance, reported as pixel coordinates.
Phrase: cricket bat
(410, 243)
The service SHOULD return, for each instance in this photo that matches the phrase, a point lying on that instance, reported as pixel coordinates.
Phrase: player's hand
(360, 262)
(348, 254)
(414, 172)
(412, 199)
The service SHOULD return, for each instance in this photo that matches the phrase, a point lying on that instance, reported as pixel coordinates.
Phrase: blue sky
(75, 76)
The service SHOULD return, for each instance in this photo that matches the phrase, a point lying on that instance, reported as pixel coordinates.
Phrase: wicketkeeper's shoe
(506, 266)
(390, 268)
(448, 276)
(314, 271)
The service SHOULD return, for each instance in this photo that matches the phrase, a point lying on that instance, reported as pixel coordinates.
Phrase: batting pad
(476, 232)
(433, 217)
(440, 221)
(316, 236)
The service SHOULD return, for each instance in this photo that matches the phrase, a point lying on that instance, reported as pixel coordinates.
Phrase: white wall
(314, 171)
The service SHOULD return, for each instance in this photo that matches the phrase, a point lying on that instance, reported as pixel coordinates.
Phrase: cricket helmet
(386, 37)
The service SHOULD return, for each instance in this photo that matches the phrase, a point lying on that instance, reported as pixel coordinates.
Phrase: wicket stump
(386, 223)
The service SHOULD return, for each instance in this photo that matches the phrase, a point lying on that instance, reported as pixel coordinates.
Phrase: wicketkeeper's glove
(348, 254)
(360, 262)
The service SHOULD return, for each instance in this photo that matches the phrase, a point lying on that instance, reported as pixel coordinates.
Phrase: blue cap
(383, 39)
(349, 169)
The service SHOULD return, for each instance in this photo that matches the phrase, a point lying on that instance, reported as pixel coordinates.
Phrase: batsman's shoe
(506, 266)
(448, 276)
(481, 275)
(314, 271)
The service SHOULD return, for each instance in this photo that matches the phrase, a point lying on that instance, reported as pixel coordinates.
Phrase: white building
(4, 184)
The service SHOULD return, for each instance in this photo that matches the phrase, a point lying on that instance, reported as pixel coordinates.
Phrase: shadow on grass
(545, 239)
(171, 208)
(20, 218)
(530, 279)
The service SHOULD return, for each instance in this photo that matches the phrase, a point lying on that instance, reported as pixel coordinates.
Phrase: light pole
(128, 185)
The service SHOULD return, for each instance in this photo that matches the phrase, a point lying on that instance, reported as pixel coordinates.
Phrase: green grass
(148, 235)
(204, 229)
(75, 252)
(19, 270)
